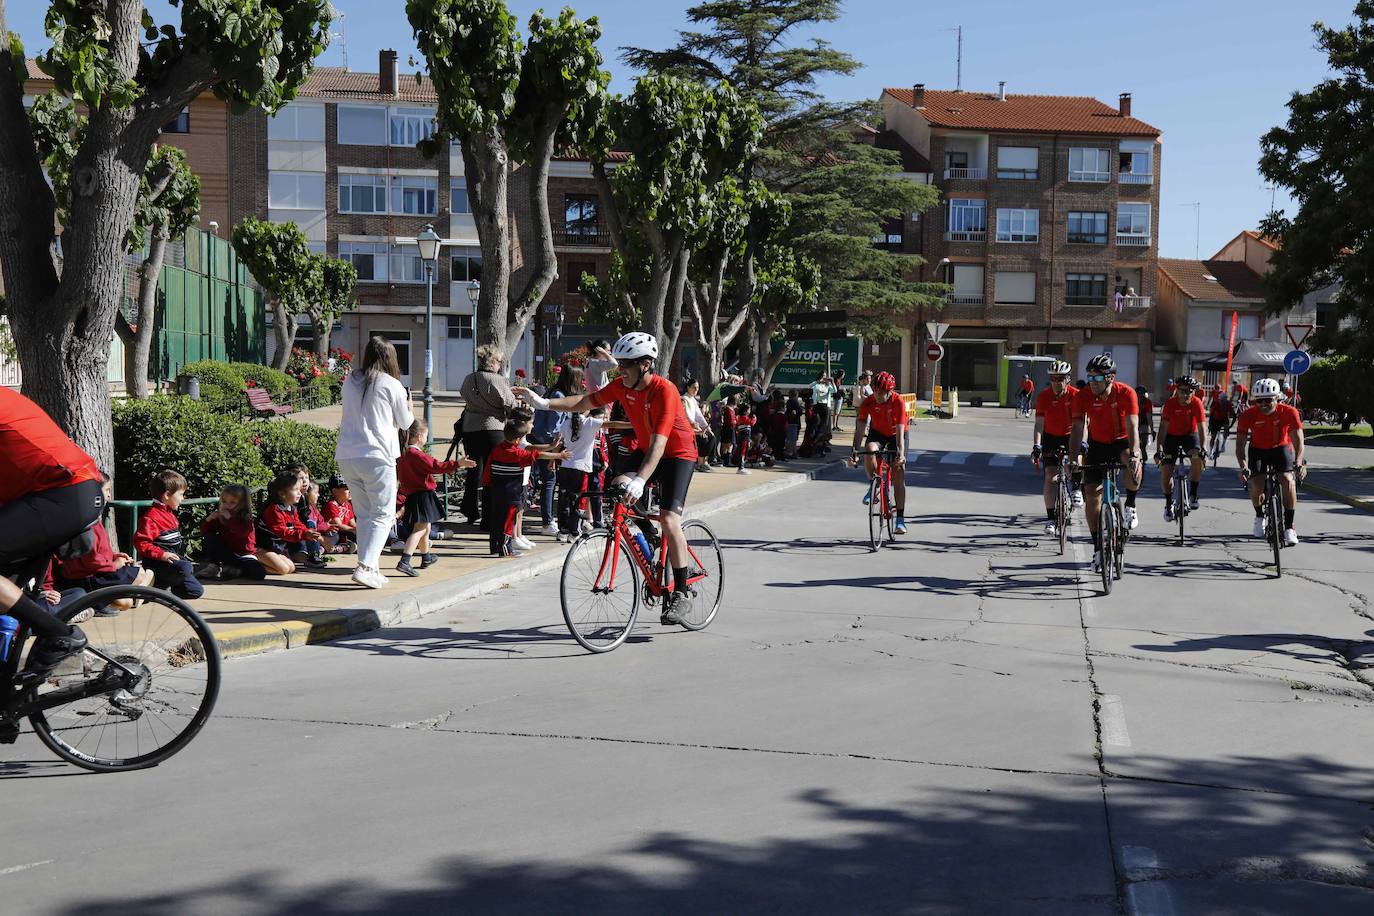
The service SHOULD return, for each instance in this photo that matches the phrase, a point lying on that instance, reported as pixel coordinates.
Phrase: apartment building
(1047, 228)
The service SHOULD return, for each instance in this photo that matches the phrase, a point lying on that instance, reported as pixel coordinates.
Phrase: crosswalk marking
(1003, 461)
(954, 458)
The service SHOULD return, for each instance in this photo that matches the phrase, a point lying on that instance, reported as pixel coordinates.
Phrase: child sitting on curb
(415, 472)
(159, 542)
(338, 511)
(231, 549)
(287, 534)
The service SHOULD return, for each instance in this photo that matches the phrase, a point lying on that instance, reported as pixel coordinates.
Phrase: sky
(1212, 75)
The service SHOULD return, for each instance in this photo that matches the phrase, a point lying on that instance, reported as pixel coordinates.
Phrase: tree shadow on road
(503, 643)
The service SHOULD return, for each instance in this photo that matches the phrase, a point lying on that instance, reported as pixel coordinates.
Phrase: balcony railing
(980, 235)
(1135, 302)
(1142, 241)
(966, 299)
(1133, 178)
(1097, 177)
(976, 174)
(1085, 300)
(585, 238)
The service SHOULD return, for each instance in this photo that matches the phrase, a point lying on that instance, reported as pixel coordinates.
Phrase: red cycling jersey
(655, 411)
(35, 455)
(1057, 411)
(1108, 416)
(1182, 419)
(887, 417)
(1269, 430)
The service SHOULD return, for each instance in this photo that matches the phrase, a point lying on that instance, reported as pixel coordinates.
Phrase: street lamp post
(474, 293)
(428, 241)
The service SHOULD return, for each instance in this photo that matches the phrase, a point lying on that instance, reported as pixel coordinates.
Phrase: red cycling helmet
(884, 382)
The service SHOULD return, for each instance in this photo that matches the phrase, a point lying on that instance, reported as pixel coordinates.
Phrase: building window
(579, 216)
(297, 122)
(1086, 228)
(1133, 224)
(406, 265)
(1248, 326)
(181, 124)
(1085, 289)
(367, 258)
(362, 194)
(414, 195)
(956, 159)
(460, 327)
(361, 125)
(966, 215)
(967, 280)
(1086, 164)
(458, 196)
(411, 125)
(1014, 287)
(1325, 316)
(1018, 162)
(1018, 225)
(575, 271)
(1135, 162)
(465, 266)
(295, 190)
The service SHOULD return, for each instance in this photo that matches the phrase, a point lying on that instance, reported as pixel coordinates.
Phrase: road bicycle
(1178, 496)
(1217, 445)
(1063, 496)
(1023, 406)
(600, 588)
(1271, 503)
(880, 505)
(142, 689)
(1111, 524)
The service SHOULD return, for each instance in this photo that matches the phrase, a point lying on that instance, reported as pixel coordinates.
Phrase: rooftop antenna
(342, 37)
(959, 57)
(1197, 232)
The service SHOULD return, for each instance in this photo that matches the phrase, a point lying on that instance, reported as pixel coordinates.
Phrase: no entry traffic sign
(935, 352)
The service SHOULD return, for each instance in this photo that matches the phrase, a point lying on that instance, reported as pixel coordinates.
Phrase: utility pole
(959, 57)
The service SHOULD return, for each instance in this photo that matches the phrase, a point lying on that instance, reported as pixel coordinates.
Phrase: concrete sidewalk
(1352, 486)
(313, 606)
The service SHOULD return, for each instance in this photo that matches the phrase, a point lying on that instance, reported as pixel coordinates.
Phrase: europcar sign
(806, 360)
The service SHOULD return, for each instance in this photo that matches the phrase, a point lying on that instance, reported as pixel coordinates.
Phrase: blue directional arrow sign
(1296, 362)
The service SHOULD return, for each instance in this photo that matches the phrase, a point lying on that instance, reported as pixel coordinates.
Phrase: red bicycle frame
(656, 576)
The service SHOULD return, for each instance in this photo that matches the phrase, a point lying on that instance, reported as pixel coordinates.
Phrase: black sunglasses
(627, 363)
(1098, 378)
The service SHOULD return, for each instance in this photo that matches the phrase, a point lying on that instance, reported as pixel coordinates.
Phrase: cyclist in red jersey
(1181, 422)
(1271, 434)
(1053, 424)
(881, 425)
(667, 443)
(1106, 413)
(50, 493)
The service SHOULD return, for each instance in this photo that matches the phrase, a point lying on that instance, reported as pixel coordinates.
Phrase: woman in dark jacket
(487, 399)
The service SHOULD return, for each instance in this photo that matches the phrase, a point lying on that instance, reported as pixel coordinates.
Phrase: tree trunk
(138, 340)
(485, 160)
(526, 304)
(284, 333)
(323, 328)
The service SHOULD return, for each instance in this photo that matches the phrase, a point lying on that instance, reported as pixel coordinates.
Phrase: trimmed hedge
(209, 449)
(275, 381)
(283, 442)
(221, 385)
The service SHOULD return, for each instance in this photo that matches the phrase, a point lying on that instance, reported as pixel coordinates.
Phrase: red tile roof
(1212, 281)
(1041, 114)
(336, 82)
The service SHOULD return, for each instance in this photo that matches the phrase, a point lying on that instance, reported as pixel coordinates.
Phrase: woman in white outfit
(376, 407)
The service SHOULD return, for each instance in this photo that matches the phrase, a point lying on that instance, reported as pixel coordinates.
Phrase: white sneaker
(1258, 530)
(549, 531)
(742, 471)
(1192, 503)
(1290, 538)
(523, 543)
(1132, 520)
(1169, 511)
(1077, 498)
(1051, 530)
(563, 538)
(1097, 561)
(369, 577)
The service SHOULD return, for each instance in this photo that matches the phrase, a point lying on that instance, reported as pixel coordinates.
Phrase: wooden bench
(260, 404)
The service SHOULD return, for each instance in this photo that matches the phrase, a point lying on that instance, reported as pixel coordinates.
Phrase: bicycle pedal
(9, 732)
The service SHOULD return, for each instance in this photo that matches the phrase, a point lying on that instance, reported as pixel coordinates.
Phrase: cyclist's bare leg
(899, 491)
(1290, 491)
(1051, 484)
(1257, 490)
(871, 459)
(1092, 504)
(1166, 479)
(1199, 462)
(14, 603)
(677, 541)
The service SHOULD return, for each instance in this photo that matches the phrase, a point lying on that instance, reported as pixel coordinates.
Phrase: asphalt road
(959, 724)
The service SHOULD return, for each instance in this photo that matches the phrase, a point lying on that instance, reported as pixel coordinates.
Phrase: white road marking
(1113, 717)
(1133, 857)
(1003, 461)
(18, 868)
(914, 454)
(1145, 896)
(955, 458)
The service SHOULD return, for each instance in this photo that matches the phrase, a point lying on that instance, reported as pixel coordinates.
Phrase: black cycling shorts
(1172, 445)
(1216, 425)
(885, 443)
(1280, 459)
(673, 476)
(1101, 453)
(1050, 447)
(37, 524)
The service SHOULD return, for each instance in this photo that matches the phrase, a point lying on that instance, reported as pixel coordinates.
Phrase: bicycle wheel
(1061, 514)
(875, 514)
(1275, 513)
(1180, 504)
(889, 513)
(600, 598)
(1106, 532)
(705, 592)
(1120, 535)
(163, 670)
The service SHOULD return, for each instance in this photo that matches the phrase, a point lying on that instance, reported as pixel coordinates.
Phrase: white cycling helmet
(635, 345)
(1060, 367)
(1265, 388)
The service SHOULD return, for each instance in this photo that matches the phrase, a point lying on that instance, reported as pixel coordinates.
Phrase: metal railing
(1135, 302)
(976, 174)
(980, 235)
(966, 299)
(1142, 241)
(302, 397)
(1018, 174)
(596, 237)
(1134, 178)
(1094, 177)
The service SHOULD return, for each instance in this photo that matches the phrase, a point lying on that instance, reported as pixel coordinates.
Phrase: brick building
(1048, 220)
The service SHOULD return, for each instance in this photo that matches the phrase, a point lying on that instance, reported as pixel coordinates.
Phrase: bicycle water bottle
(8, 627)
(644, 547)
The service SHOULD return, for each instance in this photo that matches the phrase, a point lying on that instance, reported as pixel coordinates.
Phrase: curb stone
(1353, 501)
(431, 599)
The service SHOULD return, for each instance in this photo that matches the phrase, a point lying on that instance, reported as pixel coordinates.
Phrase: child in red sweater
(283, 526)
(415, 484)
(338, 511)
(99, 567)
(158, 539)
(231, 549)
(503, 480)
